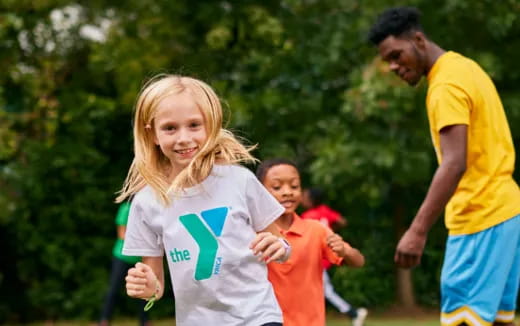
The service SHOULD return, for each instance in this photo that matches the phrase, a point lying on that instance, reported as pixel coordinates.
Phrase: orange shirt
(298, 282)
(326, 216)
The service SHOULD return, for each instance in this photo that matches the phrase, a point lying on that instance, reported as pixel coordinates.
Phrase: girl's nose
(183, 135)
(286, 191)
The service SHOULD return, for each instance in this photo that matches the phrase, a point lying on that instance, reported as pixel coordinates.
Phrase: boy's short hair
(395, 21)
(316, 195)
(262, 169)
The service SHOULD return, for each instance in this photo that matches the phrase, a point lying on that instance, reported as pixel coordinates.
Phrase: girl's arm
(274, 229)
(269, 245)
(146, 279)
(351, 256)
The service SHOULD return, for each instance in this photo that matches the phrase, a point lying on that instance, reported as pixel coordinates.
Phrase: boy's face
(283, 182)
(405, 57)
(179, 129)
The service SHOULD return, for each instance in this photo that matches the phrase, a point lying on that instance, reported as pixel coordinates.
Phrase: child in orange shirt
(298, 283)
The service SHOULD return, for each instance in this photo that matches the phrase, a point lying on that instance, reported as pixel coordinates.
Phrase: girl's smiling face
(179, 129)
(283, 182)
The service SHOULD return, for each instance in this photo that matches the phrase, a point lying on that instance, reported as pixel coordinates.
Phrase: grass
(387, 321)
(428, 319)
(332, 320)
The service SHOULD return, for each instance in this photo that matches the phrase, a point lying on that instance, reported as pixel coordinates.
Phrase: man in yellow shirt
(471, 136)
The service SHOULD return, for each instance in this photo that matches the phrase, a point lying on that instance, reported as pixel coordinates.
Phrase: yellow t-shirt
(460, 92)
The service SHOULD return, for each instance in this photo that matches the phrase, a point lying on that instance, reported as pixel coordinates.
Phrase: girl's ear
(148, 128)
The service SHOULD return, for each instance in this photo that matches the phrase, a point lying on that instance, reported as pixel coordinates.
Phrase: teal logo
(178, 255)
(205, 235)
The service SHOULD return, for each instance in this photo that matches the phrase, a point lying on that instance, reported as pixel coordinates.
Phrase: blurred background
(297, 77)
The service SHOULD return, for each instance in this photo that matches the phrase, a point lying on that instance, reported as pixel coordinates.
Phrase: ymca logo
(205, 235)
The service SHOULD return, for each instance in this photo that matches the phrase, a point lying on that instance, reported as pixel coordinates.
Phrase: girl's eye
(277, 188)
(195, 125)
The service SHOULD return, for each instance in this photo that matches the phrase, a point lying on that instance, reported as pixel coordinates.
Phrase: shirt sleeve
(140, 238)
(449, 104)
(122, 213)
(263, 208)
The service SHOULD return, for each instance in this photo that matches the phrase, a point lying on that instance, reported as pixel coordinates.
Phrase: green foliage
(299, 80)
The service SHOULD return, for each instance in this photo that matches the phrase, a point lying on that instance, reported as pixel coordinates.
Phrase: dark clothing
(117, 277)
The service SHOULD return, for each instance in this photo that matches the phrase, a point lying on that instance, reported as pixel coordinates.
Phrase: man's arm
(453, 143)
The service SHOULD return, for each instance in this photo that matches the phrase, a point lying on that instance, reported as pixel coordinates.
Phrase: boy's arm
(341, 222)
(351, 256)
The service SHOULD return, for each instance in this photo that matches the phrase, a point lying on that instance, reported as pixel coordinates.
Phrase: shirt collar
(435, 67)
(297, 227)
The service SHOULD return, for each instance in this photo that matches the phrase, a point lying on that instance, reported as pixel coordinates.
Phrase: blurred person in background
(313, 201)
(120, 266)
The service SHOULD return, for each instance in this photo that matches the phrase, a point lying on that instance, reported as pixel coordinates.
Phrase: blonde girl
(194, 204)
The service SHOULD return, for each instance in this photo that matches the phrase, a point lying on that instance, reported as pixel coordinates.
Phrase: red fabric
(326, 216)
(322, 213)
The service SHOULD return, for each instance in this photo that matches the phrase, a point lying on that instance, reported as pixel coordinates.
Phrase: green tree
(299, 79)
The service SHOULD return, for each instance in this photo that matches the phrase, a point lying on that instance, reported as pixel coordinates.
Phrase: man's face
(404, 57)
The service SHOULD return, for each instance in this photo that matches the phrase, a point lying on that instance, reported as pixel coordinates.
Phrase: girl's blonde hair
(150, 166)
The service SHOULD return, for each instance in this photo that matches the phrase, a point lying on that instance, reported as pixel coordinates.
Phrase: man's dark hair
(396, 22)
(262, 169)
(317, 196)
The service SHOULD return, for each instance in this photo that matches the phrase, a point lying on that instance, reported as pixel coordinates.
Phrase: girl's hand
(141, 281)
(336, 243)
(268, 247)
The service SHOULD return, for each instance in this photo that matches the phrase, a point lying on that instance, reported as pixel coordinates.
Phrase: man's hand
(410, 249)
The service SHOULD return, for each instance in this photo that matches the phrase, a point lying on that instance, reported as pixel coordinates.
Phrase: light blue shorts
(481, 275)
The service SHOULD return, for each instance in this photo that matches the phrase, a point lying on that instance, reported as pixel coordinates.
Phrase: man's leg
(475, 273)
(494, 324)
(507, 307)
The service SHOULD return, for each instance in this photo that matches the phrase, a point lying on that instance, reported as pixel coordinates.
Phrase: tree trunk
(405, 293)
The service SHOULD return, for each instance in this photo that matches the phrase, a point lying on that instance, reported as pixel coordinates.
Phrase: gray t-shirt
(206, 233)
